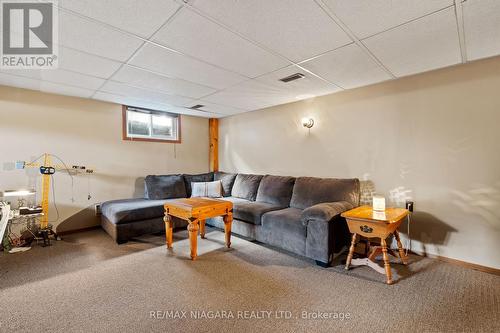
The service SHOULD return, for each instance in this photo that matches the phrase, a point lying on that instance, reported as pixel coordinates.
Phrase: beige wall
(433, 137)
(87, 132)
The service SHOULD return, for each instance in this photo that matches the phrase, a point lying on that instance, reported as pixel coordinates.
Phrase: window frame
(126, 137)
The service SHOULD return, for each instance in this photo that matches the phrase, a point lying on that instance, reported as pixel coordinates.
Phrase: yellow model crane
(47, 169)
(47, 165)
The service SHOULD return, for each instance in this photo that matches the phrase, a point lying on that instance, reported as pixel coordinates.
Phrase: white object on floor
(367, 262)
(19, 249)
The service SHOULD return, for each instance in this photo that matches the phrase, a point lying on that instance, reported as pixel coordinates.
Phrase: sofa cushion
(252, 211)
(245, 186)
(165, 187)
(283, 228)
(227, 180)
(309, 191)
(276, 190)
(199, 178)
(131, 210)
(235, 199)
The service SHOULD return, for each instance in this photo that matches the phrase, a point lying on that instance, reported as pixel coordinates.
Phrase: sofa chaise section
(127, 218)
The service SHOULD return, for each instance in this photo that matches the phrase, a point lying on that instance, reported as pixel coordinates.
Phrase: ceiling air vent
(197, 107)
(292, 77)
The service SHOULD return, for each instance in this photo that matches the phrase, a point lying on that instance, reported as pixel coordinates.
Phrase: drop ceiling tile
(251, 95)
(86, 63)
(306, 87)
(127, 100)
(141, 17)
(482, 26)
(19, 82)
(297, 29)
(195, 113)
(368, 17)
(422, 45)
(176, 65)
(217, 108)
(199, 37)
(140, 93)
(148, 80)
(349, 67)
(59, 76)
(44, 86)
(87, 36)
(66, 90)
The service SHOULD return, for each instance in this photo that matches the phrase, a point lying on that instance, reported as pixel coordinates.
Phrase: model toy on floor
(27, 215)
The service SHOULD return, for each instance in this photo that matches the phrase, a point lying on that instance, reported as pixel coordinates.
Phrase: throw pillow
(207, 189)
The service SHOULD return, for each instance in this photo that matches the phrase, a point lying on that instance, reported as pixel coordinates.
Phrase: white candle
(378, 203)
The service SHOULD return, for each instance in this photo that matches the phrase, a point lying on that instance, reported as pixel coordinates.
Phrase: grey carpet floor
(87, 283)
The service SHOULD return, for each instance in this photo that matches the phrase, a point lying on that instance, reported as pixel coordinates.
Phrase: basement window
(150, 125)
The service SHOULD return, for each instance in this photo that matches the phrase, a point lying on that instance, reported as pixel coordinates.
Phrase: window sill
(151, 140)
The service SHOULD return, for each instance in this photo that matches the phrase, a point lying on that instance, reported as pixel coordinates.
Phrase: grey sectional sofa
(300, 215)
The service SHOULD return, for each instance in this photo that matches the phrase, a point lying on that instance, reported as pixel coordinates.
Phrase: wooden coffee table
(365, 222)
(195, 211)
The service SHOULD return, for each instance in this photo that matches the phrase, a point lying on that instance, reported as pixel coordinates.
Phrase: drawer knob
(366, 229)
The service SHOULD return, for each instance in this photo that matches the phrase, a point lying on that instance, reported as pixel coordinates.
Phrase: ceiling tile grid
(216, 109)
(369, 17)
(88, 36)
(296, 29)
(199, 37)
(150, 80)
(305, 87)
(44, 86)
(86, 63)
(59, 76)
(348, 67)
(128, 100)
(251, 95)
(422, 45)
(140, 17)
(482, 27)
(176, 65)
(229, 55)
(136, 92)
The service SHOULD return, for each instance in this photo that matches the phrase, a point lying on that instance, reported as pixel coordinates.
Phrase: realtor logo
(29, 34)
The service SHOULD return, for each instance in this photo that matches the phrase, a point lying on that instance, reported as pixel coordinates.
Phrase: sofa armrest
(324, 211)
(325, 238)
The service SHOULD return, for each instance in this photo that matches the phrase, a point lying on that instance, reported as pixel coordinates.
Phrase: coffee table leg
(193, 237)
(387, 266)
(400, 248)
(168, 230)
(228, 220)
(202, 228)
(351, 251)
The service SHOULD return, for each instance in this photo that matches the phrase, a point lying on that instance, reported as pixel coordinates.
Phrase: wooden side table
(195, 211)
(363, 221)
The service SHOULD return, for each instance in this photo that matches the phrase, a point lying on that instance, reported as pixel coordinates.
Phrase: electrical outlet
(409, 206)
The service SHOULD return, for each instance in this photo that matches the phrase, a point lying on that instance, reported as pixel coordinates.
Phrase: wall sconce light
(307, 122)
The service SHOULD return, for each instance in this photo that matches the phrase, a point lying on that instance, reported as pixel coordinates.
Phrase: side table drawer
(371, 229)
